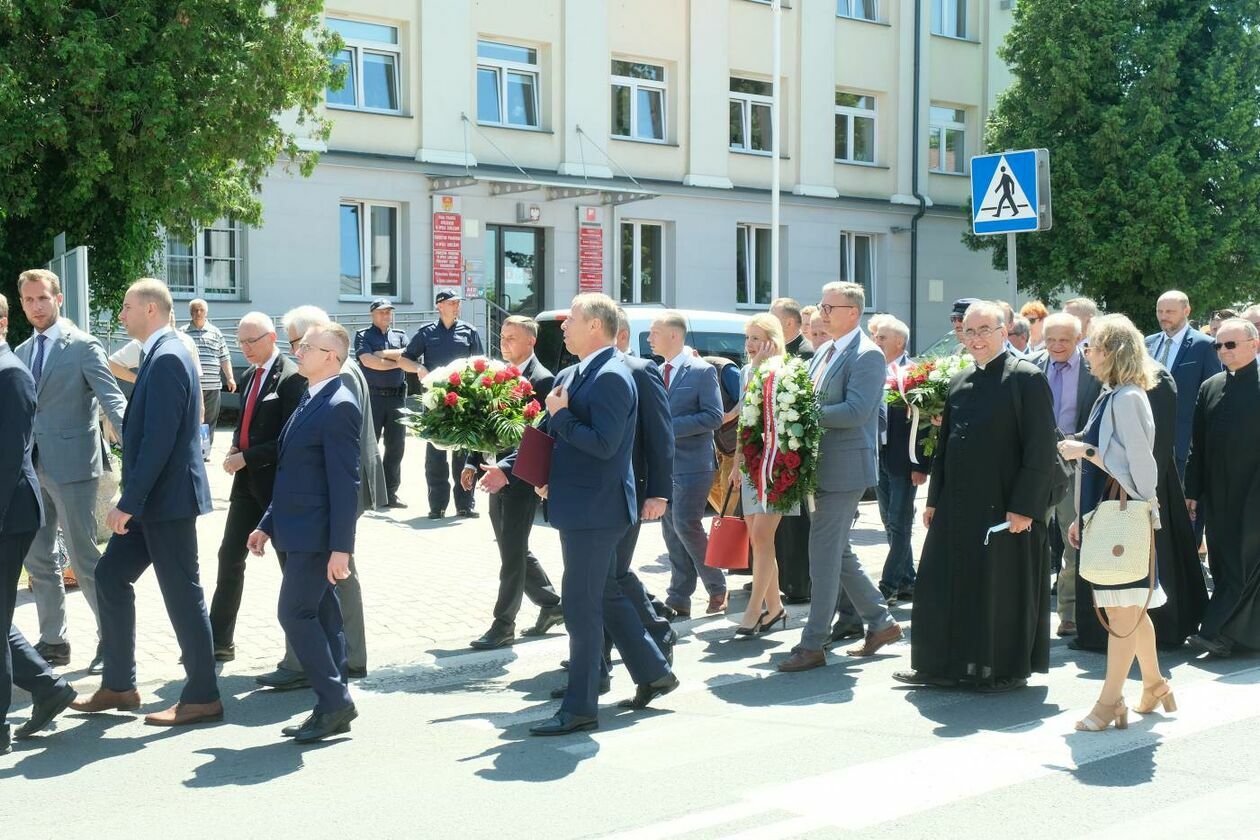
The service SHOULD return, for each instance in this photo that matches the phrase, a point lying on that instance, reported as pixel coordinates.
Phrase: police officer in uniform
(440, 343)
(379, 349)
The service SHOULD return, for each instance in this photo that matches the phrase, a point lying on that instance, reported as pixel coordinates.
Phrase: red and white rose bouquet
(779, 432)
(921, 389)
(476, 404)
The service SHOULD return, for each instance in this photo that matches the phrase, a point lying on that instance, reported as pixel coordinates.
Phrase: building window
(855, 127)
(370, 249)
(638, 101)
(750, 115)
(507, 85)
(860, 9)
(947, 134)
(857, 262)
(642, 258)
(752, 265)
(949, 17)
(371, 59)
(209, 266)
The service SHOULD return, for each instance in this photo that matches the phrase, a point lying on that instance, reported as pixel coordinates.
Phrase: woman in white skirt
(763, 340)
(1118, 444)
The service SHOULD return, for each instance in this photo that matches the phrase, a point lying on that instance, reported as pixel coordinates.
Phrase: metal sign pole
(1012, 271)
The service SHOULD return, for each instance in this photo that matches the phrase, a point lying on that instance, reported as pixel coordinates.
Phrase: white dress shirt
(1177, 339)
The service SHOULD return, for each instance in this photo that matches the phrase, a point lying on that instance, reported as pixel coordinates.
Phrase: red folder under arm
(533, 459)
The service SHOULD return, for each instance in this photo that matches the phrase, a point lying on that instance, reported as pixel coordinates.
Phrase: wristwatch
(1090, 452)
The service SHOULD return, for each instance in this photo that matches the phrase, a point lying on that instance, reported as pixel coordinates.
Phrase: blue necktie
(37, 368)
(301, 406)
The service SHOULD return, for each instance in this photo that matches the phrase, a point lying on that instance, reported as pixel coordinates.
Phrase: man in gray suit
(1074, 390)
(372, 496)
(72, 384)
(848, 376)
(695, 405)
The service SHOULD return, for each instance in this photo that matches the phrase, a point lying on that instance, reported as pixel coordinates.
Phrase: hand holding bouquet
(921, 389)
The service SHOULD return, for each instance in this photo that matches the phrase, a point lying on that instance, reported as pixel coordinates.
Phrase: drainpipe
(914, 177)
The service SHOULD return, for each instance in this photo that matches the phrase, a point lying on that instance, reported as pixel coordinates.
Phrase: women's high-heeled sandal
(1103, 716)
(1157, 695)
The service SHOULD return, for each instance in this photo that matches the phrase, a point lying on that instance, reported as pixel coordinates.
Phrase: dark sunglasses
(1225, 345)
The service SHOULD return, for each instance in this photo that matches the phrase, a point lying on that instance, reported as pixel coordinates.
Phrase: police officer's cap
(381, 303)
(961, 305)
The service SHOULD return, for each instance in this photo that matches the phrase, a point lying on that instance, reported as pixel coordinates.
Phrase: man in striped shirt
(216, 364)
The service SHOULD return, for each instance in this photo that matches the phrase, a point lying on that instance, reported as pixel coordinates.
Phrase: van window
(727, 344)
(550, 348)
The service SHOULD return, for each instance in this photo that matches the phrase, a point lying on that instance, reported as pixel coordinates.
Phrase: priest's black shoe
(44, 709)
(548, 617)
(919, 678)
(493, 639)
(564, 723)
(1002, 686)
(6, 746)
(1216, 646)
(320, 725)
(605, 685)
(645, 694)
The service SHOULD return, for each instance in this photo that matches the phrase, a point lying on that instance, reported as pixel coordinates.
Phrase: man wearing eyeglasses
(272, 388)
(982, 607)
(956, 314)
(1223, 472)
(1188, 355)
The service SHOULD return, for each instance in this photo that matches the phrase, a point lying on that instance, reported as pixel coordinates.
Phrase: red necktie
(668, 370)
(254, 388)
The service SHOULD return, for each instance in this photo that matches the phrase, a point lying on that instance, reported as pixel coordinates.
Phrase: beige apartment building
(528, 149)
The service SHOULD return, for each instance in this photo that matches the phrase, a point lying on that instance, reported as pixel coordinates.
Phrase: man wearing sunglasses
(1188, 355)
(1223, 472)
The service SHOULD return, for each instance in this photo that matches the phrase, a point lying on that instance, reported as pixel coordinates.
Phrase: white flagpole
(776, 10)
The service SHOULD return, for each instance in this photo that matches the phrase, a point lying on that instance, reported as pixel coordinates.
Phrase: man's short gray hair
(598, 306)
(1021, 326)
(1177, 295)
(623, 321)
(895, 326)
(258, 319)
(1239, 324)
(1082, 304)
(198, 302)
(672, 318)
(789, 306)
(302, 318)
(1062, 319)
(852, 292)
(525, 322)
(987, 307)
(4, 307)
(150, 290)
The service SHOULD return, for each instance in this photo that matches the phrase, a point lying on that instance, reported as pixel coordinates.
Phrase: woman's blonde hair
(1124, 360)
(772, 327)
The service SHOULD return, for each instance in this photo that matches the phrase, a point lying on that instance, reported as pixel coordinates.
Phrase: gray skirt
(748, 496)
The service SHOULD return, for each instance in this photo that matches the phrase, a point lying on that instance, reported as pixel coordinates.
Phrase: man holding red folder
(592, 415)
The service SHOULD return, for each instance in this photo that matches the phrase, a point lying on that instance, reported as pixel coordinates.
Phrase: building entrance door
(514, 269)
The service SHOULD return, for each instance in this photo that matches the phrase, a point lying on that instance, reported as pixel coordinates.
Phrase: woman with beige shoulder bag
(1117, 514)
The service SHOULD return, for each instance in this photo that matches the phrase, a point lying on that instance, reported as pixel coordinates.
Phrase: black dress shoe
(356, 673)
(841, 632)
(396, 503)
(564, 723)
(321, 725)
(1214, 646)
(44, 709)
(224, 653)
(97, 666)
(282, 679)
(493, 639)
(920, 678)
(605, 685)
(6, 746)
(467, 514)
(667, 647)
(548, 617)
(437, 514)
(645, 694)
(1002, 686)
(291, 731)
(54, 654)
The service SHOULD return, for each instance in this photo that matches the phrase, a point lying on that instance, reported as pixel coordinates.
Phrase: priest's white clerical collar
(991, 361)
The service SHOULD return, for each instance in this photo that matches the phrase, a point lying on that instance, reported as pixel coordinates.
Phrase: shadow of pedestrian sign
(1010, 192)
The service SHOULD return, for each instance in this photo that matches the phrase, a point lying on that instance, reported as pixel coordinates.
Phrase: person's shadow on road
(252, 765)
(960, 712)
(59, 753)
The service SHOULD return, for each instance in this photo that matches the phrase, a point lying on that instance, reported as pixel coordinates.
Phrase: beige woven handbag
(1117, 544)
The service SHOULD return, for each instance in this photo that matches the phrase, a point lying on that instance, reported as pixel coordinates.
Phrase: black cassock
(1176, 551)
(1223, 472)
(982, 613)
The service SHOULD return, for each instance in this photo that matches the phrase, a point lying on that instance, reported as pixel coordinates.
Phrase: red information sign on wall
(590, 249)
(448, 241)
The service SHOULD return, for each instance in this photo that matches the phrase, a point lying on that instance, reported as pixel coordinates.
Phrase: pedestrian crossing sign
(1010, 192)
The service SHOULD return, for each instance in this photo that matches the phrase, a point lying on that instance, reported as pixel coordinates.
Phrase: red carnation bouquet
(475, 404)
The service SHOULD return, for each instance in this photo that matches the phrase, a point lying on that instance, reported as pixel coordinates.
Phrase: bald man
(1189, 356)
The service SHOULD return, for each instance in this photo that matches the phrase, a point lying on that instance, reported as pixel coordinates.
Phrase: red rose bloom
(750, 451)
(454, 379)
(513, 370)
(527, 387)
(789, 479)
(532, 409)
(452, 399)
(480, 366)
(501, 377)
(791, 460)
(487, 381)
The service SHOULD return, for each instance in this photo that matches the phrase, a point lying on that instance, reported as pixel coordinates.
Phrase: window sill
(368, 298)
(861, 164)
(369, 111)
(949, 174)
(752, 307)
(960, 38)
(641, 141)
(864, 20)
(505, 127)
(752, 153)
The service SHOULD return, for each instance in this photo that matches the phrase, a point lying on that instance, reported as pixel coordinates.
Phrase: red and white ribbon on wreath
(912, 413)
(769, 435)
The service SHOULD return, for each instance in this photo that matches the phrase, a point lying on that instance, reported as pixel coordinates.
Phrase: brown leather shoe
(105, 700)
(803, 660)
(875, 641)
(183, 714)
(717, 604)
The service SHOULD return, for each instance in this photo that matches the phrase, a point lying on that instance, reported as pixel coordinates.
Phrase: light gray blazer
(849, 397)
(74, 385)
(373, 493)
(1126, 441)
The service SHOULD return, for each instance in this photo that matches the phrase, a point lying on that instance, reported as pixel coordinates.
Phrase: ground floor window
(208, 265)
(370, 249)
(642, 259)
(752, 265)
(857, 262)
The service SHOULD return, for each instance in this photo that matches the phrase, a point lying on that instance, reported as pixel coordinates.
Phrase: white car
(710, 333)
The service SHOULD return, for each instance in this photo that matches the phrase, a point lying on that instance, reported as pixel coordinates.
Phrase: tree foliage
(1151, 112)
(122, 117)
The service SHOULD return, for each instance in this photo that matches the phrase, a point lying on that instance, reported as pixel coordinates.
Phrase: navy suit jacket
(654, 434)
(314, 507)
(21, 507)
(592, 480)
(695, 405)
(163, 477)
(1196, 362)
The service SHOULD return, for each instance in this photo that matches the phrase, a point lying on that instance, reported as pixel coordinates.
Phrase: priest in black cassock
(1176, 550)
(1223, 472)
(982, 612)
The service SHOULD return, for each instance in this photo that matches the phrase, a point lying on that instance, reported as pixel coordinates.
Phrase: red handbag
(728, 539)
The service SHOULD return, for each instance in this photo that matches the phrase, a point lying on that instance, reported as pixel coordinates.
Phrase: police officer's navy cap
(381, 303)
(961, 305)
(444, 295)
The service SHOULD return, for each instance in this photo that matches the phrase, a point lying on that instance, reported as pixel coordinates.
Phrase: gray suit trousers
(72, 507)
(350, 593)
(1065, 513)
(833, 567)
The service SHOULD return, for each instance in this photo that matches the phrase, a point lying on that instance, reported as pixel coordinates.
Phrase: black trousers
(512, 512)
(245, 510)
(20, 665)
(385, 416)
(212, 401)
(440, 475)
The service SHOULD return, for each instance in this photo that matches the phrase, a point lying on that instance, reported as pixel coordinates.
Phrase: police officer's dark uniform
(387, 391)
(432, 346)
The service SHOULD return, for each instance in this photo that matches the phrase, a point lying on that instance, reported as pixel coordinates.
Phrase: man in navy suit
(695, 404)
(312, 518)
(1189, 356)
(164, 490)
(21, 516)
(592, 414)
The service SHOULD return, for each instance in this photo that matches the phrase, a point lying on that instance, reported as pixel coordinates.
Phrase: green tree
(122, 117)
(1151, 112)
